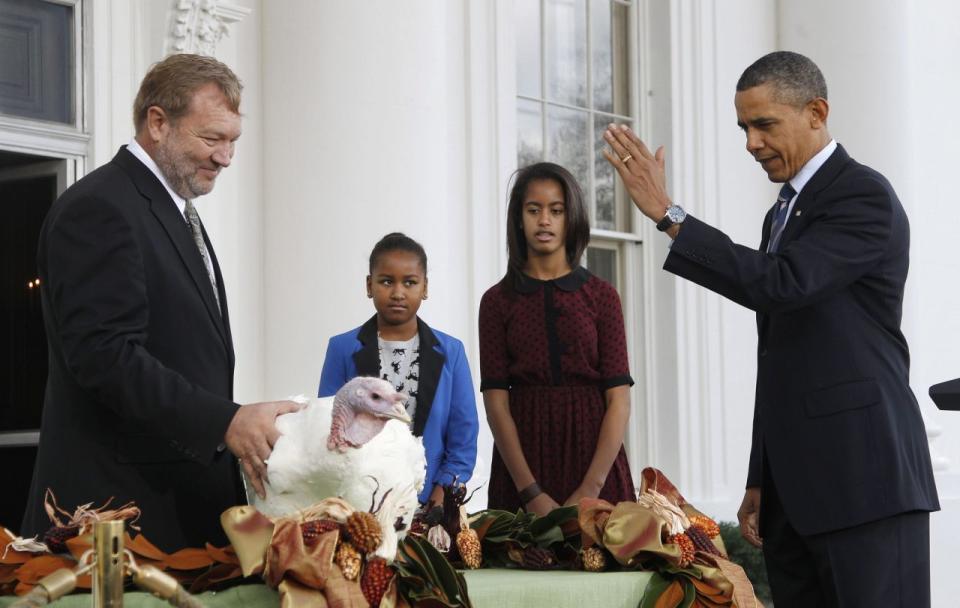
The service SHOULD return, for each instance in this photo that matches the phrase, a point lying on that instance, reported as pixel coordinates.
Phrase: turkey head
(361, 411)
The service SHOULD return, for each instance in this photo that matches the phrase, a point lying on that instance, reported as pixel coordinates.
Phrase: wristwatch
(675, 215)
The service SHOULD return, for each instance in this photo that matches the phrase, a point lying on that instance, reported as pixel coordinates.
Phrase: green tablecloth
(492, 588)
(488, 588)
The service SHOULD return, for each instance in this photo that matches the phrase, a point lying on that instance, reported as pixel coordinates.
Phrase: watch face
(676, 213)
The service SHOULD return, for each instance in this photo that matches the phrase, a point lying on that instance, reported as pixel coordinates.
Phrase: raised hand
(643, 174)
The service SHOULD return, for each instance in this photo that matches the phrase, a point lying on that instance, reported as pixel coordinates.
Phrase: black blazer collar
(367, 362)
(367, 359)
(173, 222)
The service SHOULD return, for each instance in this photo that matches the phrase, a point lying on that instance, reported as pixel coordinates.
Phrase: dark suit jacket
(835, 422)
(139, 393)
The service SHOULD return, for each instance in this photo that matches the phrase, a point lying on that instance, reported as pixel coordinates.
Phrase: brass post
(108, 571)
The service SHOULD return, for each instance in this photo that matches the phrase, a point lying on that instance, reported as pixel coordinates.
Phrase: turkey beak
(398, 411)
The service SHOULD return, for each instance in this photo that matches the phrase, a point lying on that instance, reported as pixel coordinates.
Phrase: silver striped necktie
(193, 220)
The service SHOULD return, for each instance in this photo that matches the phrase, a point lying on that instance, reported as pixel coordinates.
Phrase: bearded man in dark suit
(139, 399)
(840, 486)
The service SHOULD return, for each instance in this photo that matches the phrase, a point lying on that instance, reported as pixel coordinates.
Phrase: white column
(701, 350)
(861, 46)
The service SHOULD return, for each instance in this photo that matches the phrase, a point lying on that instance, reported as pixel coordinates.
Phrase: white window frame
(51, 139)
(68, 142)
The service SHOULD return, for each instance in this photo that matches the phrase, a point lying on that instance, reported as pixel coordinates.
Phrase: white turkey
(356, 445)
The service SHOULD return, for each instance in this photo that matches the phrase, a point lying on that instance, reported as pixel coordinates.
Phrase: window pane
(18, 471)
(567, 142)
(529, 132)
(36, 60)
(23, 359)
(603, 263)
(601, 56)
(620, 50)
(612, 203)
(528, 47)
(566, 42)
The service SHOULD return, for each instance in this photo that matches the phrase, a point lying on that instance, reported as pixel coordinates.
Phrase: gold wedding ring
(626, 158)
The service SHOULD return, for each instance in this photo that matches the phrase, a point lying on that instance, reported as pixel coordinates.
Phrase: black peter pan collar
(571, 281)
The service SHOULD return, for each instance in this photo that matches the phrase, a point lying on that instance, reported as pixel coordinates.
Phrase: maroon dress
(556, 346)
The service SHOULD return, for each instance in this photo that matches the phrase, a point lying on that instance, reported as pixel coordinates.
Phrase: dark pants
(880, 563)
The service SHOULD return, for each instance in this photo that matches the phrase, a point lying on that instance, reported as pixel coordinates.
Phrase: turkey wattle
(356, 445)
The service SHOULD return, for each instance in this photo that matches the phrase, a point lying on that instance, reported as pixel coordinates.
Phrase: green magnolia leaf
(658, 584)
(433, 577)
(440, 572)
(689, 593)
(654, 589)
(499, 529)
(557, 517)
(669, 568)
(549, 536)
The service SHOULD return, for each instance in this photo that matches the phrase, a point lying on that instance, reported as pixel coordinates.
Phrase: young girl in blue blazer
(428, 365)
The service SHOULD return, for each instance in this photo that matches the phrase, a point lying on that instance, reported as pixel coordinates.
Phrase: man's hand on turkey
(251, 436)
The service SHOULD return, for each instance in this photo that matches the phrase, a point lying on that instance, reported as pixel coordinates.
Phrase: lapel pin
(797, 214)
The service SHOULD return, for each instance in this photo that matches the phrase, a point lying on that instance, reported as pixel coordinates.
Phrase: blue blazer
(446, 414)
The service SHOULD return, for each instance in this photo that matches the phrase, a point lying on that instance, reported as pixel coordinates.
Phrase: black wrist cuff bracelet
(529, 493)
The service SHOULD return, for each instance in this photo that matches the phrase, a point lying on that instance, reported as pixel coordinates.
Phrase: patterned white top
(400, 366)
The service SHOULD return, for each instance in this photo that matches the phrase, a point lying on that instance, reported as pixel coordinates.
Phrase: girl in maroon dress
(553, 357)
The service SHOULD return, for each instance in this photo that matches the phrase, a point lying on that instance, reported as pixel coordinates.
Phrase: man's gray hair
(795, 79)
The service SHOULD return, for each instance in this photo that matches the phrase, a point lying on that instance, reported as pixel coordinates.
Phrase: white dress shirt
(806, 172)
(137, 150)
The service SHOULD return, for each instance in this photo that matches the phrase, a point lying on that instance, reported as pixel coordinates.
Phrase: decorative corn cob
(364, 531)
(375, 580)
(594, 559)
(348, 558)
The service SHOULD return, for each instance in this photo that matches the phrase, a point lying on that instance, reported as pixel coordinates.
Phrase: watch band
(673, 216)
(664, 224)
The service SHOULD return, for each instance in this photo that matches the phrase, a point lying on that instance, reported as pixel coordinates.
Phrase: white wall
(366, 132)
(364, 136)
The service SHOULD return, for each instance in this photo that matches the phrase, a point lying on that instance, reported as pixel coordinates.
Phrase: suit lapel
(367, 359)
(222, 294)
(174, 224)
(431, 365)
(805, 201)
(765, 233)
(807, 198)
